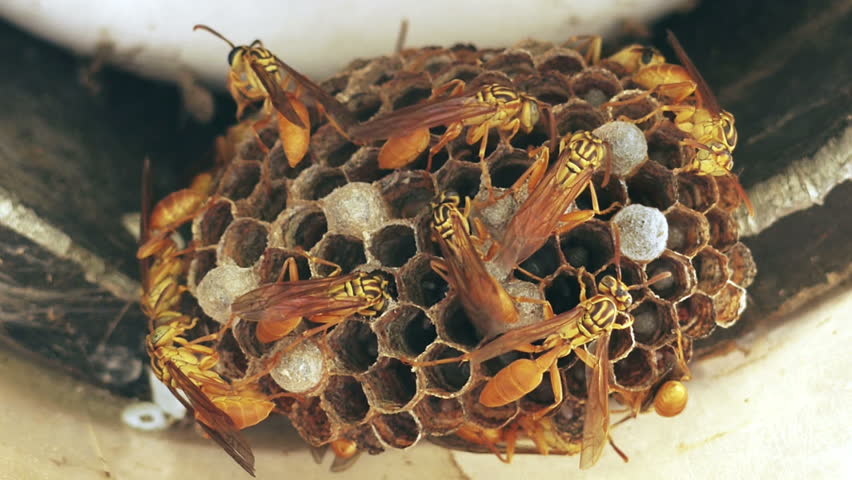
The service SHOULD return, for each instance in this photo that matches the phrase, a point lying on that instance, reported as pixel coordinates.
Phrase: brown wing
(303, 298)
(483, 297)
(524, 335)
(538, 218)
(332, 106)
(596, 421)
(217, 424)
(428, 114)
(276, 95)
(706, 95)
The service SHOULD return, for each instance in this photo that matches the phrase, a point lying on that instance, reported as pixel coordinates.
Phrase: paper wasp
(631, 58)
(256, 75)
(591, 321)
(280, 307)
(543, 212)
(482, 296)
(489, 107)
(186, 367)
(697, 113)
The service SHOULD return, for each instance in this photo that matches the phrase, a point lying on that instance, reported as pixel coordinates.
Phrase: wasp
(591, 321)
(481, 295)
(256, 75)
(543, 213)
(183, 365)
(279, 307)
(714, 135)
(631, 58)
(489, 107)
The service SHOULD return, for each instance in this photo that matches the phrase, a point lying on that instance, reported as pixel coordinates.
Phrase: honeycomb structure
(355, 381)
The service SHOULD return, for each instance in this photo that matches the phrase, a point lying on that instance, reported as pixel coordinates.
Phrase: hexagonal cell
(621, 342)
(304, 227)
(577, 115)
(346, 398)
(420, 284)
(355, 345)
(636, 371)
(723, 229)
(552, 89)
(214, 221)
(239, 180)
(741, 262)
(595, 85)
(507, 167)
(269, 269)
(364, 106)
(444, 380)
(487, 417)
(563, 291)
(363, 166)
(614, 192)
(249, 149)
(688, 231)
(711, 270)
(407, 192)
(652, 186)
(730, 303)
(560, 59)
(398, 430)
(390, 385)
(301, 368)
(243, 242)
(463, 71)
(406, 330)
(393, 245)
(455, 326)
(697, 192)
(269, 200)
(664, 146)
(730, 197)
(637, 105)
(653, 322)
(460, 177)
(589, 245)
(541, 397)
(318, 182)
(279, 167)
(511, 62)
(542, 263)
(430, 62)
(576, 385)
(680, 283)
(343, 250)
(355, 209)
(409, 88)
(439, 416)
(311, 421)
(203, 261)
(696, 315)
(232, 361)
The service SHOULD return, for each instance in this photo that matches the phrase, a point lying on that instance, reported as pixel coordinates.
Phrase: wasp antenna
(214, 32)
(616, 243)
(656, 278)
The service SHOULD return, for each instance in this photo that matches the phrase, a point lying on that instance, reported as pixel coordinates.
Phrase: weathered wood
(70, 161)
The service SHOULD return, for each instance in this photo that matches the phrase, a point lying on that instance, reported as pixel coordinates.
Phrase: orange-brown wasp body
(482, 296)
(489, 107)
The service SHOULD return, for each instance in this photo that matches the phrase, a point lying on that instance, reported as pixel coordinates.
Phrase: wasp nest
(355, 381)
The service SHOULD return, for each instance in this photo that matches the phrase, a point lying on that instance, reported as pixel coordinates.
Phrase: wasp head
(617, 290)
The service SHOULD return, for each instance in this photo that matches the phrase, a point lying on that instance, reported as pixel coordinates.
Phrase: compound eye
(233, 54)
(647, 56)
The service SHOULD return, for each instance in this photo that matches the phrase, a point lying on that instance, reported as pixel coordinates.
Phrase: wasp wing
(706, 95)
(538, 218)
(339, 113)
(524, 335)
(216, 423)
(596, 416)
(428, 114)
(482, 296)
(303, 298)
(277, 95)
